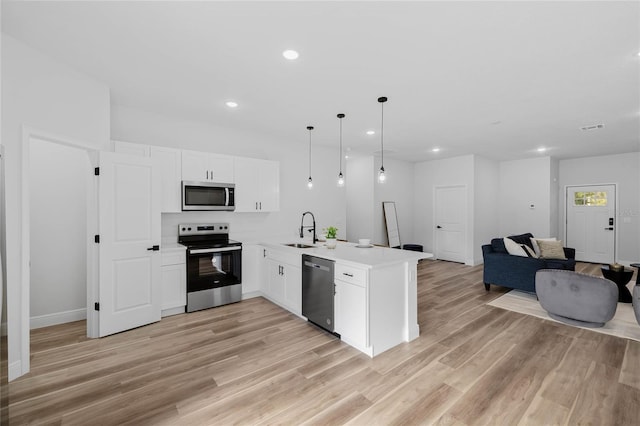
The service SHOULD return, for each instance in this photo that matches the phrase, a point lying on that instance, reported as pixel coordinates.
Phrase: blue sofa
(506, 270)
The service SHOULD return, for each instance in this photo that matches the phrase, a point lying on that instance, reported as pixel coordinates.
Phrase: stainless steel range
(214, 265)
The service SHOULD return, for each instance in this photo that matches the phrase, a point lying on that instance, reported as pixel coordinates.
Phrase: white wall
(555, 210)
(55, 99)
(398, 187)
(486, 201)
(365, 217)
(360, 199)
(58, 180)
(624, 171)
(524, 183)
(428, 175)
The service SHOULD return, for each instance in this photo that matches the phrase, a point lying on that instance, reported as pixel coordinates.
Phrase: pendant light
(381, 176)
(310, 181)
(340, 175)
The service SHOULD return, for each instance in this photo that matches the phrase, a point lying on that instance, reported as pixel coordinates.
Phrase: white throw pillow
(514, 248)
(534, 243)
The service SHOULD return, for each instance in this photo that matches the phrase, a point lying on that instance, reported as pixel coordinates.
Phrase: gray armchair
(575, 298)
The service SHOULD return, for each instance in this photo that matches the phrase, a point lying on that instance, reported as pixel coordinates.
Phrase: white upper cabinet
(169, 163)
(257, 185)
(207, 167)
(129, 148)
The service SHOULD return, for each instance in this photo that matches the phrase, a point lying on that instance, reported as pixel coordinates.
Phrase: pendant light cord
(310, 128)
(340, 141)
(382, 100)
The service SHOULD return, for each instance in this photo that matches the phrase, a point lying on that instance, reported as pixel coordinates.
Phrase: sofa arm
(569, 253)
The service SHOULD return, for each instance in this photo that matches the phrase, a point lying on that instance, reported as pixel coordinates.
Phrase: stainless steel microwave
(208, 196)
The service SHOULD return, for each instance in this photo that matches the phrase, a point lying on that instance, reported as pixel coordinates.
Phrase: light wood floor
(254, 363)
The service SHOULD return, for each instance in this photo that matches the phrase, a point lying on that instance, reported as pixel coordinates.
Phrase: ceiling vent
(592, 127)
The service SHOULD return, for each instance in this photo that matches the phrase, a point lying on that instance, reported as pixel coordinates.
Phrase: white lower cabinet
(283, 280)
(173, 273)
(275, 283)
(350, 306)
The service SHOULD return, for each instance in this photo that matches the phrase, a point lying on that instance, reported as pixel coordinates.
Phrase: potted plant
(331, 236)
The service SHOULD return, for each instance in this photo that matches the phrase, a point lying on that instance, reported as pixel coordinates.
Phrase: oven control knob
(189, 229)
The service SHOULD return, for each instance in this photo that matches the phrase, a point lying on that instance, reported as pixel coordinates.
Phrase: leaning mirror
(391, 220)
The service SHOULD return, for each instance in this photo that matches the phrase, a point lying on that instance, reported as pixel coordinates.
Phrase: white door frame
(615, 212)
(29, 133)
(466, 220)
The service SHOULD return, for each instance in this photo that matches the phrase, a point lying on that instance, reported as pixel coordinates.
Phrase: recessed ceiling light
(541, 149)
(435, 150)
(291, 55)
(231, 104)
(346, 157)
(371, 132)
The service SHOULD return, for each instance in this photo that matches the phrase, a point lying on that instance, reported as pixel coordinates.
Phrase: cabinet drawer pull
(349, 275)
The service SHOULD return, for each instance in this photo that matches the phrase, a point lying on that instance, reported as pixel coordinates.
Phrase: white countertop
(172, 247)
(372, 257)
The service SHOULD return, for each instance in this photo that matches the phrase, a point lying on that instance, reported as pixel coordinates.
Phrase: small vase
(331, 243)
(636, 302)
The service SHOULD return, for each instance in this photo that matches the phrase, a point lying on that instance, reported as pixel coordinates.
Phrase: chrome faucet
(315, 237)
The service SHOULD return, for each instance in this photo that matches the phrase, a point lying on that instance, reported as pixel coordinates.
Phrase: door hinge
(96, 306)
(96, 171)
(96, 239)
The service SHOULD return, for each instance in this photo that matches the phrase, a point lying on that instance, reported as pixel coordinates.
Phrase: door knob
(439, 227)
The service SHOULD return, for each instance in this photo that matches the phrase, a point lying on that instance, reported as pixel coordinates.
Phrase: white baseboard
(172, 311)
(15, 370)
(251, 295)
(58, 318)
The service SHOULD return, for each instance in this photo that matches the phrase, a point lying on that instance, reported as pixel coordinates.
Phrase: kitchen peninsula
(375, 300)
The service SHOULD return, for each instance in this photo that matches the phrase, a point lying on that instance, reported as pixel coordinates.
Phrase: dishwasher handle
(315, 265)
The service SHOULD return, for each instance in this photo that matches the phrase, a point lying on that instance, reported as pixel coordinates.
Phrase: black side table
(637, 265)
(621, 278)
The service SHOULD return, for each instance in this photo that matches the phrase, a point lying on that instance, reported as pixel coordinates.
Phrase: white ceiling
(498, 79)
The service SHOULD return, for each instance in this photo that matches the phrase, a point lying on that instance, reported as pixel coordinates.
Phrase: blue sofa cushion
(497, 245)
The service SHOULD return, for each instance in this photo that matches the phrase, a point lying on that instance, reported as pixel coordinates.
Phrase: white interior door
(129, 222)
(450, 226)
(591, 222)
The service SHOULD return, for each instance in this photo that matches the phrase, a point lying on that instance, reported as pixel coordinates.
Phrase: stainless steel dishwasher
(318, 291)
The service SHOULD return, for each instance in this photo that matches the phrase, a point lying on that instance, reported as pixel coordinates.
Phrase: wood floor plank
(630, 374)
(253, 362)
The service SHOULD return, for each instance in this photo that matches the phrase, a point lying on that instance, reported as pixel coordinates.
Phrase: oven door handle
(215, 250)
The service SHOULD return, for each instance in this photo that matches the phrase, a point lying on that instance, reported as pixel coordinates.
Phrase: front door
(450, 216)
(129, 223)
(591, 222)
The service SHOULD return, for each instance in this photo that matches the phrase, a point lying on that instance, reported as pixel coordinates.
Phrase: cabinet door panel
(270, 186)
(174, 290)
(351, 313)
(293, 288)
(220, 168)
(276, 282)
(194, 166)
(247, 177)
(169, 163)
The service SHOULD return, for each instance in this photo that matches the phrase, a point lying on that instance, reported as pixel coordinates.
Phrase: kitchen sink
(299, 245)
